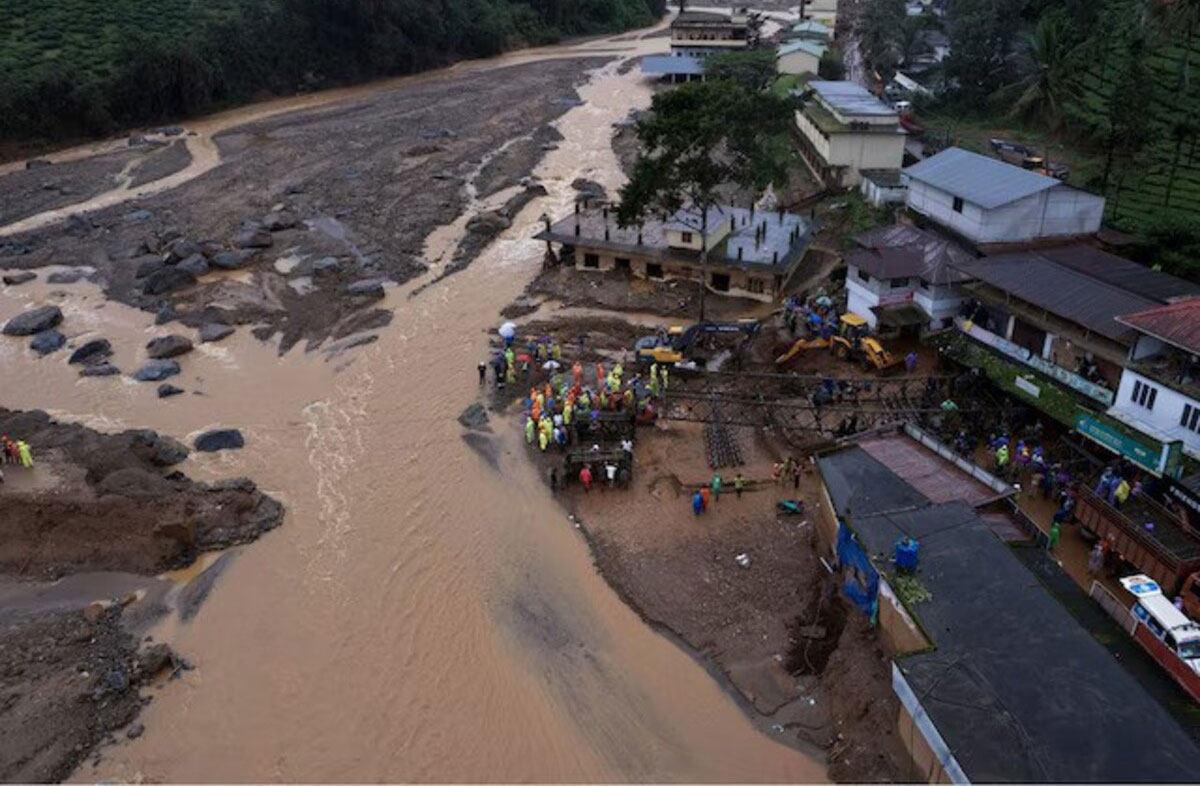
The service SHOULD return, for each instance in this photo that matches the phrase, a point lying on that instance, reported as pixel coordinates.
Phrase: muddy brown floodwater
(419, 615)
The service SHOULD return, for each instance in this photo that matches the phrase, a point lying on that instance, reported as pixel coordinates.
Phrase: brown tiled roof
(1177, 323)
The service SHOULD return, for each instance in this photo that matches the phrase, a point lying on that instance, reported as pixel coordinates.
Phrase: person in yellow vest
(26, 456)
(529, 429)
(665, 378)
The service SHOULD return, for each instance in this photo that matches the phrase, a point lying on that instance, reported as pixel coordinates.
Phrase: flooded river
(419, 615)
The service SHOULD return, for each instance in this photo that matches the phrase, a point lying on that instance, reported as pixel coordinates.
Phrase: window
(958, 204)
(591, 260)
(654, 270)
(925, 285)
(687, 237)
(1190, 420)
(864, 275)
(1144, 395)
(755, 285)
(898, 283)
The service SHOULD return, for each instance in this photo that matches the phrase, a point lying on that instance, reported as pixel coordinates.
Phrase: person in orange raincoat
(577, 373)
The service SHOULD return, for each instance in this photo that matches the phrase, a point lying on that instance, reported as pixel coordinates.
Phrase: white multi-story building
(904, 277)
(844, 130)
(1159, 393)
(989, 202)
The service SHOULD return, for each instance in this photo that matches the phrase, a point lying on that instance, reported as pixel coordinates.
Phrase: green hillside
(1162, 179)
(73, 68)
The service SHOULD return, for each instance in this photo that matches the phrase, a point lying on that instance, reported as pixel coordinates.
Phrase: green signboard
(1143, 455)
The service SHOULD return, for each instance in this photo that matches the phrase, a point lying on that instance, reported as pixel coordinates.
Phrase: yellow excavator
(854, 342)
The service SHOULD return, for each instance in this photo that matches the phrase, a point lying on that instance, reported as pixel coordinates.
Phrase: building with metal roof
(1121, 272)
(987, 201)
(675, 67)
(844, 130)
(1010, 687)
(811, 29)
(1159, 393)
(902, 275)
(799, 57)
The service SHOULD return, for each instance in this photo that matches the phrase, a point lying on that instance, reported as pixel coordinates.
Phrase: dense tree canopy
(85, 67)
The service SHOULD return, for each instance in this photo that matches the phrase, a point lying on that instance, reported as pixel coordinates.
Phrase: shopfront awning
(899, 315)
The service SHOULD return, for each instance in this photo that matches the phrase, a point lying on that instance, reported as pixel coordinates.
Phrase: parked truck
(1153, 540)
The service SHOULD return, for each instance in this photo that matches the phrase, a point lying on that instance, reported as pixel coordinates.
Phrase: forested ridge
(71, 68)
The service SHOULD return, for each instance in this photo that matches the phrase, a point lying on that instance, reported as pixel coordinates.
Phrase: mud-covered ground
(309, 212)
(103, 509)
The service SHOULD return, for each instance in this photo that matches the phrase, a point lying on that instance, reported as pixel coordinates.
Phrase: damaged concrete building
(751, 253)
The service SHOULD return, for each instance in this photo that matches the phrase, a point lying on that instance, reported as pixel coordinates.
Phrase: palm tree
(1038, 92)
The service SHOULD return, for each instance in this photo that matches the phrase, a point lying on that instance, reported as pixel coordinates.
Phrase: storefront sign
(1027, 386)
(1187, 499)
(892, 299)
(1143, 455)
(1022, 355)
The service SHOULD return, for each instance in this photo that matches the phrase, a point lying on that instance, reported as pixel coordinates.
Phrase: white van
(1159, 615)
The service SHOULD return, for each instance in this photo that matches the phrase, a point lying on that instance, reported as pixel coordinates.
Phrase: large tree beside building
(981, 33)
(700, 137)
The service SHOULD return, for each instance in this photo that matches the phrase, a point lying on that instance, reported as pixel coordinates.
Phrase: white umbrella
(552, 365)
(508, 330)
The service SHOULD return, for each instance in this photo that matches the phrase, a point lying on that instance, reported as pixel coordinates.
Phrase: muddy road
(419, 615)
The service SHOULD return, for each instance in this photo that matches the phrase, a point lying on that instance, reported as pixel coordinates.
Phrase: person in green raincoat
(716, 486)
(529, 430)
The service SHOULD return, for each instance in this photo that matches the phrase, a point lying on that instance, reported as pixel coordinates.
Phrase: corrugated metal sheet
(1122, 272)
(1062, 291)
(987, 182)
(671, 65)
(810, 47)
(850, 99)
(1178, 323)
(903, 250)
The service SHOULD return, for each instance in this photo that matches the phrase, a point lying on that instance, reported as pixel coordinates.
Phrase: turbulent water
(420, 615)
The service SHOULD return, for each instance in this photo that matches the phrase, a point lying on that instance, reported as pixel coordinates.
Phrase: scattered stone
(475, 417)
(196, 264)
(149, 266)
(180, 249)
(589, 189)
(99, 370)
(67, 276)
(169, 279)
(38, 163)
(166, 390)
(211, 248)
(326, 266)
(16, 279)
(568, 101)
(252, 238)
(35, 320)
(158, 449)
(489, 223)
(214, 331)
(156, 371)
(169, 130)
(423, 150)
(262, 332)
(366, 288)
(219, 439)
(168, 347)
(138, 215)
(549, 146)
(47, 341)
(302, 286)
(231, 260)
(135, 730)
(278, 221)
(94, 611)
(92, 352)
(536, 189)
(438, 133)
(166, 313)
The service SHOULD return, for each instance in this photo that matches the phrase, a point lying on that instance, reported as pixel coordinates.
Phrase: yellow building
(843, 129)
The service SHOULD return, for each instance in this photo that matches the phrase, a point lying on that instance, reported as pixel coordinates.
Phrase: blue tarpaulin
(860, 580)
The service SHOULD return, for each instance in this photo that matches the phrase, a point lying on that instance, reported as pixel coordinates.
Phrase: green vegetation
(910, 590)
(753, 69)
(1109, 87)
(87, 67)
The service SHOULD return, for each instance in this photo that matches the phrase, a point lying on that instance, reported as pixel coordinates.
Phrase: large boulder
(252, 238)
(231, 260)
(16, 279)
(35, 320)
(367, 288)
(180, 249)
(91, 352)
(159, 450)
(196, 264)
(279, 220)
(99, 370)
(214, 331)
(156, 371)
(219, 439)
(149, 266)
(326, 266)
(68, 276)
(169, 279)
(47, 341)
(168, 347)
(488, 223)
